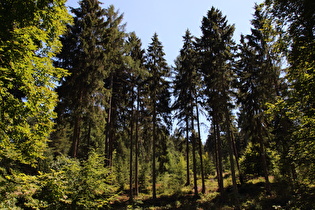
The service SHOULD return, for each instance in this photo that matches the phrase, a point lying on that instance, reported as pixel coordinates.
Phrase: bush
(250, 162)
(69, 184)
(174, 179)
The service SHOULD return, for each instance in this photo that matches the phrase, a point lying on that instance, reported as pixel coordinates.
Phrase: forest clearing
(252, 195)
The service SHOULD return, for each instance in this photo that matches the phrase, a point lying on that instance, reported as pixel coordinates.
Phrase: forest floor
(252, 195)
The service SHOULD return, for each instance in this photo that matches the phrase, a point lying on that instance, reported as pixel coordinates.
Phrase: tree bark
(200, 152)
(230, 142)
(76, 137)
(131, 153)
(264, 164)
(89, 140)
(219, 152)
(236, 160)
(215, 153)
(109, 132)
(193, 138)
(153, 155)
(187, 153)
(137, 145)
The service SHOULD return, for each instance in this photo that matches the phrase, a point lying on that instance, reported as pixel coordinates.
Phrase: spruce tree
(159, 96)
(186, 88)
(116, 81)
(138, 56)
(136, 75)
(82, 93)
(258, 83)
(216, 58)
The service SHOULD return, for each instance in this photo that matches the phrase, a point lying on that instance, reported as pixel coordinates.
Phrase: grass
(252, 195)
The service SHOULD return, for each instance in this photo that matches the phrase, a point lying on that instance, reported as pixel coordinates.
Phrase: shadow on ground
(251, 196)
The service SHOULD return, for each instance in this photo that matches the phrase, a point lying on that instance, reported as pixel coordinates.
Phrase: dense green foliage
(29, 39)
(28, 42)
(126, 126)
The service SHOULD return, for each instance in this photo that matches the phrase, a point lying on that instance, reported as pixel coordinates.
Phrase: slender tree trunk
(108, 140)
(215, 153)
(220, 168)
(193, 138)
(187, 153)
(153, 155)
(194, 163)
(229, 138)
(131, 153)
(137, 145)
(76, 137)
(264, 162)
(200, 152)
(89, 140)
(236, 160)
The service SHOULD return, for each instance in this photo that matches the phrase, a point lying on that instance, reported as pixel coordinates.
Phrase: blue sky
(170, 18)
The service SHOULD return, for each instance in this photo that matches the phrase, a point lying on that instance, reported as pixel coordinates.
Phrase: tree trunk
(109, 135)
(193, 138)
(229, 138)
(153, 155)
(264, 161)
(200, 152)
(76, 137)
(131, 153)
(215, 153)
(187, 153)
(236, 159)
(137, 145)
(89, 140)
(220, 168)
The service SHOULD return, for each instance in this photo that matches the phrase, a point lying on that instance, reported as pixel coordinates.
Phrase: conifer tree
(216, 46)
(116, 82)
(136, 75)
(159, 96)
(138, 56)
(186, 87)
(181, 88)
(82, 93)
(258, 83)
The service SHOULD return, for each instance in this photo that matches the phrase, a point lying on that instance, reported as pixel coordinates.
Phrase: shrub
(69, 184)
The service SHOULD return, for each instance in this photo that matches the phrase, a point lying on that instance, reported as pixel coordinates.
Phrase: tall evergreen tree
(258, 83)
(159, 95)
(216, 46)
(82, 93)
(141, 73)
(116, 82)
(137, 74)
(186, 88)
